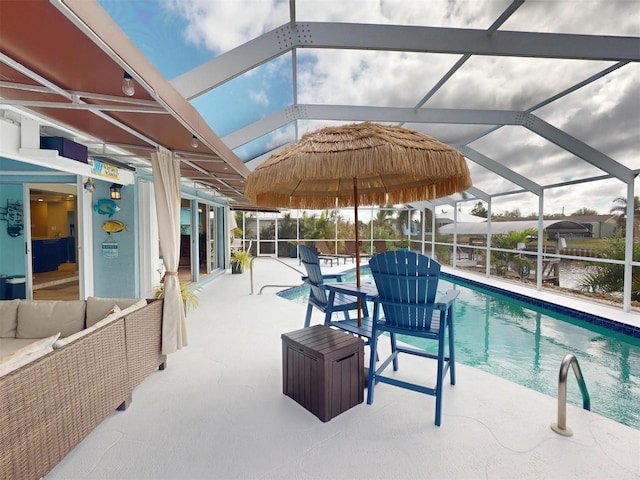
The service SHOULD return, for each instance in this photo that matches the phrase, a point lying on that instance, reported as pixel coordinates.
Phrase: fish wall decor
(106, 206)
(114, 226)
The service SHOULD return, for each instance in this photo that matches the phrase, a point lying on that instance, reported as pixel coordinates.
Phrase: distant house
(598, 226)
(555, 228)
(446, 216)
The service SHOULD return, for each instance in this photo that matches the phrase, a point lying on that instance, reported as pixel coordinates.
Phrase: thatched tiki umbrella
(358, 164)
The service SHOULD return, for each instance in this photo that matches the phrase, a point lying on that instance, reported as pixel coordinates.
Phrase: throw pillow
(8, 318)
(42, 318)
(99, 307)
(27, 354)
(121, 313)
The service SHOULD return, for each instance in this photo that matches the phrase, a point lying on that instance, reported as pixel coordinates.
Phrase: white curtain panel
(166, 180)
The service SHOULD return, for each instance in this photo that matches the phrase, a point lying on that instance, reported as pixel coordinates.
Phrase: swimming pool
(525, 344)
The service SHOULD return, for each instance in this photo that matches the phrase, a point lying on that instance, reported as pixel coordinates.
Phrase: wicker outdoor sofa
(51, 403)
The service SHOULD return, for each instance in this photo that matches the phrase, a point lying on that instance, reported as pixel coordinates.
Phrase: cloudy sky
(179, 35)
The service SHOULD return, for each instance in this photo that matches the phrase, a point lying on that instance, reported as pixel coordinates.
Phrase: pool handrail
(560, 426)
(269, 285)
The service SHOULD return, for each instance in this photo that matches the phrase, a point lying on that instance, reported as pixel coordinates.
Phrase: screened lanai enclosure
(542, 99)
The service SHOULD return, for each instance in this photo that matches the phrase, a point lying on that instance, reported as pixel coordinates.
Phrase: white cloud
(281, 137)
(604, 114)
(460, 13)
(259, 97)
(223, 25)
(593, 17)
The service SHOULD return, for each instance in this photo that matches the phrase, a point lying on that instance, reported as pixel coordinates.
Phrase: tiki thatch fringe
(391, 165)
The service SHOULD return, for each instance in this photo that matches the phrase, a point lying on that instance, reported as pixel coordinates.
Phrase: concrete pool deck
(218, 412)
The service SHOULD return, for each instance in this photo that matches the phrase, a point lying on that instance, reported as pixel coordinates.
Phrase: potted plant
(403, 245)
(188, 292)
(240, 260)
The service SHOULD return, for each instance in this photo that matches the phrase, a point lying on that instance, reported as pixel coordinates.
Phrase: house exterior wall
(115, 276)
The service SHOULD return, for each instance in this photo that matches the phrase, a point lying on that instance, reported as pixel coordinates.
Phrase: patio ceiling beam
(465, 41)
(555, 97)
(234, 63)
(578, 148)
(84, 106)
(263, 126)
(479, 194)
(400, 38)
(443, 201)
(66, 94)
(500, 169)
(362, 113)
(74, 95)
(433, 203)
(206, 175)
(34, 76)
(504, 16)
(510, 10)
(432, 115)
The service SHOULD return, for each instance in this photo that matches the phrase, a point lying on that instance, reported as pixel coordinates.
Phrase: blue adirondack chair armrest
(331, 276)
(445, 301)
(328, 276)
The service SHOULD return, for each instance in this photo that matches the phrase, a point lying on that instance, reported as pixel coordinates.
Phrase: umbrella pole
(355, 203)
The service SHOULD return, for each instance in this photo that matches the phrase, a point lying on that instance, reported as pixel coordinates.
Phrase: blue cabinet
(47, 254)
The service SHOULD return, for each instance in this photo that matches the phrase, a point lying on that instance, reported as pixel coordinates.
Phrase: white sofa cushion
(27, 354)
(8, 318)
(100, 307)
(42, 318)
(117, 313)
(10, 345)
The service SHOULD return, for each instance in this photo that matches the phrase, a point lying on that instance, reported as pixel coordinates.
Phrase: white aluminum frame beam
(401, 38)
(432, 115)
(360, 113)
(500, 169)
(578, 148)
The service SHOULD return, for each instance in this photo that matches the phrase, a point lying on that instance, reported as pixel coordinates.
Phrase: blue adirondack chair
(407, 283)
(318, 296)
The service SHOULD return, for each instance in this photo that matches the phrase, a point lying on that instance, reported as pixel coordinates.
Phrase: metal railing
(560, 426)
(270, 285)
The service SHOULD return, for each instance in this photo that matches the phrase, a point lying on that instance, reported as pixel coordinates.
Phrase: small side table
(322, 370)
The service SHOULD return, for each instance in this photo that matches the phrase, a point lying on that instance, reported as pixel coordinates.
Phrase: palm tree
(619, 209)
(402, 221)
(608, 277)
(382, 223)
(510, 241)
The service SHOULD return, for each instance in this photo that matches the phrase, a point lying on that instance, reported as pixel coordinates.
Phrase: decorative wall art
(13, 215)
(114, 226)
(89, 185)
(109, 248)
(106, 206)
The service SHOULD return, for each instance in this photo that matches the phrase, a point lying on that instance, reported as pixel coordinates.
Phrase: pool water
(526, 344)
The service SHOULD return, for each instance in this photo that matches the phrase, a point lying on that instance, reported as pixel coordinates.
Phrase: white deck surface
(218, 412)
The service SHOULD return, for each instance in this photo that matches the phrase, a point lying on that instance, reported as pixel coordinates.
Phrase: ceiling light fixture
(127, 85)
(194, 141)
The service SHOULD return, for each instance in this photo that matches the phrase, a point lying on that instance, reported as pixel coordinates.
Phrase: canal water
(571, 273)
